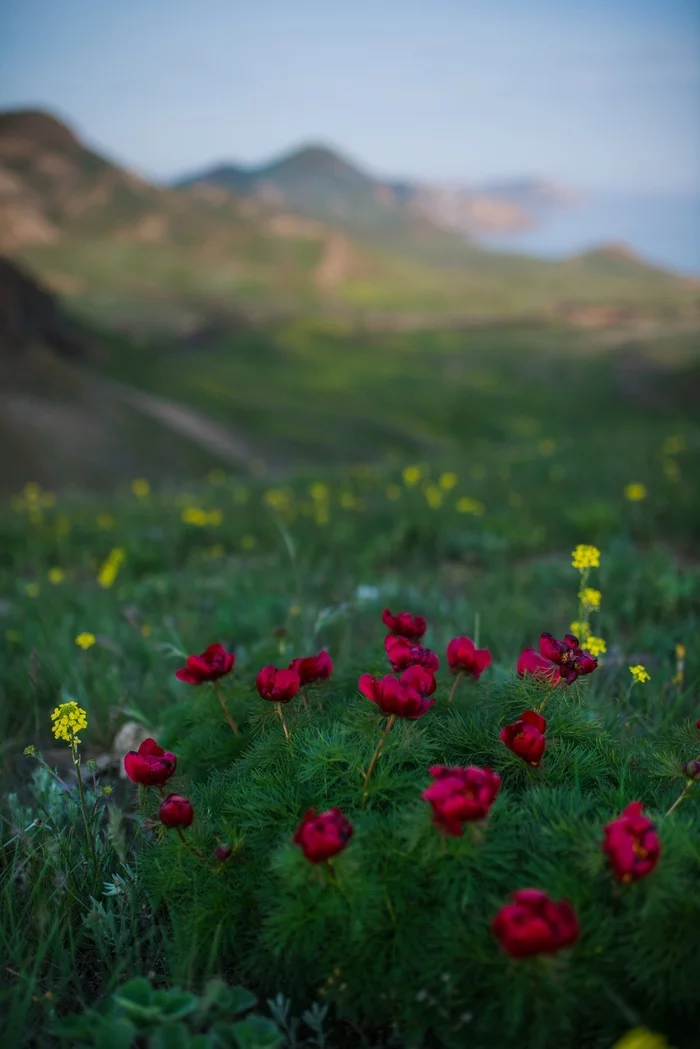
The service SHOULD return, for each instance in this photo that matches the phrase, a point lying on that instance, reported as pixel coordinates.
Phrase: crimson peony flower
(212, 664)
(460, 795)
(419, 678)
(150, 765)
(403, 653)
(631, 844)
(176, 812)
(404, 625)
(394, 697)
(557, 660)
(534, 924)
(279, 686)
(313, 668)
(324, 835)
(464, 658)
(525, 737)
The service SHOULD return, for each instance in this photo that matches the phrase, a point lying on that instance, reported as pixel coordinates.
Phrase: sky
(601, 95)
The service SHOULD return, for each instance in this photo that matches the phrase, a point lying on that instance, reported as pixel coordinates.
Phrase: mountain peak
(312, 160)
(38, 125)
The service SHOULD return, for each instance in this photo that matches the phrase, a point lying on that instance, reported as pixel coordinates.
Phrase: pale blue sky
(603, 94)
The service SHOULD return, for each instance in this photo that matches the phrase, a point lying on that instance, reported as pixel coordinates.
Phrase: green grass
(543, 435)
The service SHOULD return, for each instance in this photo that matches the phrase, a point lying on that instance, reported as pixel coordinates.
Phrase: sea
(661, 228)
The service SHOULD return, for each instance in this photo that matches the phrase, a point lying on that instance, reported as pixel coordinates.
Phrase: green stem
(281, 717)
(222, 701)
(458, 678)
(375, 758)
(83, 806)
(192, 849)
(679, 799)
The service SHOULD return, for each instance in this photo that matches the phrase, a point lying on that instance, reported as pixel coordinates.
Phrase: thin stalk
(83, 806)
(456, 681)
(375, 758)
(679, 799)
(304, 700)
(191, 848)
(281, 717)
(222, 701)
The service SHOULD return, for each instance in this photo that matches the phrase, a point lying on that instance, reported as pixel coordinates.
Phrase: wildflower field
(396, 755)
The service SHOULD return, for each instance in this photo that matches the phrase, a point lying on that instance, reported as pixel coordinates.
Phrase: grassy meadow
(447, 472)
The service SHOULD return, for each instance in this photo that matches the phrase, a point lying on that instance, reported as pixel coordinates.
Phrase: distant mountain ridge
(322, 182)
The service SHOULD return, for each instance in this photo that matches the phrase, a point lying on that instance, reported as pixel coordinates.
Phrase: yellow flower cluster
(595, 645)
(141, 488)
(279, 499)
(110, 567)
(32, 501)
(447, 480)
(202, 518)
(585, 556)
(85, 640)
(68, 720)
(433, 496)
(640, 673)
(589, 597)
(579, 628)
(411, 476)
(467, 505)
(635, 492)
(56, 576)
(641, 1038)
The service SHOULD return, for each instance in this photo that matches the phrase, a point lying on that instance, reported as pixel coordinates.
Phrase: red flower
(631, 844)
(557, 660)
(394, 697)
(212, 664)
(525, 737)
(534, 924)
(222, 853)
(150, 765)
(460, 795)
(279, 686)
(324, 835)
(465, 658)
(420, 679)
(404, 624)
(313, 668)
(403, 653)
(176, 811)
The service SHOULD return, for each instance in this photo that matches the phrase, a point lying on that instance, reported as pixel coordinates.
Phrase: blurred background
(267, 237)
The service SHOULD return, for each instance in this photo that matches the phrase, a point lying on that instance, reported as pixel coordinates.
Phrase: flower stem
(375, 758)
(222, 701)
(191, 848)
(457, 680)
(281, 716)
(679, 799)
(304, 701)
(83, 806)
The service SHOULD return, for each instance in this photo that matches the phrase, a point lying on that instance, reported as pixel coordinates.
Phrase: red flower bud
(403, 653)
(420, 679)
(631, 844)
(222, 853)
(175, 811)
(534, 924)
(393, 697)
(313, 668)
(525, 737)
(404, 624)
(212, 664)
(150, 765)
(324, 835)
(691, 769)
(463, 657)
(460, 795)
(279, 686)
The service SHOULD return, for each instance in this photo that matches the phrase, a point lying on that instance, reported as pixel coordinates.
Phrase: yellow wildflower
(393, 491)
(348, 501)
(433, 496)
(85, 640)
(319, 491)
(641, 1038)
(547, 446)
(249, 542)
(32, 491)
(411, 475)
(141, 488)
(579, 628)
(590, 597)
(680, 651)
(595, 645)
(110, 567)
(278, 498)
(69, 719)
(467, 505)
(447, 480)
(56, 576)
(640, 673)
(635, 492)
(194, 516)
(105, 522)
(32, 589)
(585, 556)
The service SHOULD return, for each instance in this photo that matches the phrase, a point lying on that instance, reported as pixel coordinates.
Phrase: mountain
(309, 233)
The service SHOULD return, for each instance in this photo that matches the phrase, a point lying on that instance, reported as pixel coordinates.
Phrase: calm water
(662, 228)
